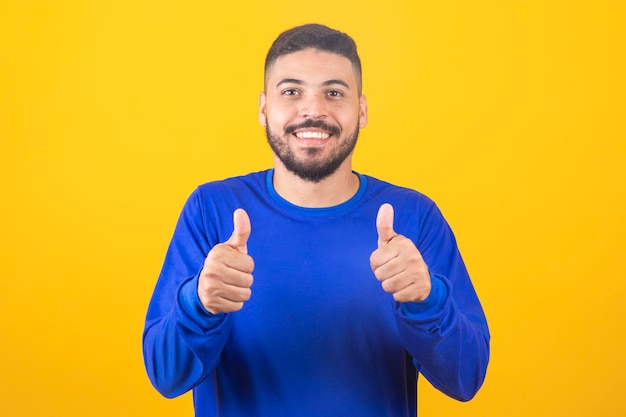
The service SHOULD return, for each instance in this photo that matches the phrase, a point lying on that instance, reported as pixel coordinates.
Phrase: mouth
(312, 138)
(308, 134)
(313, 132)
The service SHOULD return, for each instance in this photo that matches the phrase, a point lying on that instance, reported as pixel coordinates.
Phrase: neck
(333, 190)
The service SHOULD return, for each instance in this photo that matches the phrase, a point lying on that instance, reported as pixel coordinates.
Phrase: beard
(313, 168)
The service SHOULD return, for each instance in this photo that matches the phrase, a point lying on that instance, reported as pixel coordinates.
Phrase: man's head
(312, 106)
(318, 37)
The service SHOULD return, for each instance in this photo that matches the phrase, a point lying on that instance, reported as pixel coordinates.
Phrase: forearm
(449, 349)
(183, 347)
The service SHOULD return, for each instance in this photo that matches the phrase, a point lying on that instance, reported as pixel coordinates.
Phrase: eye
(334, 93)
(290, 92)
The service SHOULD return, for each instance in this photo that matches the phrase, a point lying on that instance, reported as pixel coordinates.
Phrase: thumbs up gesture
(226, 278)
(397, 263)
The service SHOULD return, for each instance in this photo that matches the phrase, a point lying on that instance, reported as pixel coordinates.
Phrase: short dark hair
(315, 36)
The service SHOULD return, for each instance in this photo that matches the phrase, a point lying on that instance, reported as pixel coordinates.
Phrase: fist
(397, 263)
(226, 278)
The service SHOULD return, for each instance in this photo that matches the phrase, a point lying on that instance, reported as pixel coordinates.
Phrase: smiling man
(310, 289)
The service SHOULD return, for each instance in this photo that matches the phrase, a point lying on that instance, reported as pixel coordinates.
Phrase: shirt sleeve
(447, 335)
(182, 341)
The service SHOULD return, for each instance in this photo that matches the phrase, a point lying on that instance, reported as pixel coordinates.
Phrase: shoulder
(386, 192)
(254, 180)
(211, 205)
(228, 194)
(416, 214)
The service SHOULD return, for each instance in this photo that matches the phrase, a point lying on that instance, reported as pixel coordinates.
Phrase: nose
(312, 107)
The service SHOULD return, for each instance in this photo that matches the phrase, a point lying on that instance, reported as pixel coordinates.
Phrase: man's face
(312, 112)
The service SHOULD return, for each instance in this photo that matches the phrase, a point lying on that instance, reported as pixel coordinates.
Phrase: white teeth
(312, 135)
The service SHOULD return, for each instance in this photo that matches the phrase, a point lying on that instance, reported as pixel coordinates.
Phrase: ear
(262, 110)
(362, 111)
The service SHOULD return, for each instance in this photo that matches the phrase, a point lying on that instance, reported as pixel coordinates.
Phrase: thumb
(384, 224)
(241, 232)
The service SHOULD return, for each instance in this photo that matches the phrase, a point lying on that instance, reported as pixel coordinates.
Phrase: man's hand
(226, 278)
(397, 263)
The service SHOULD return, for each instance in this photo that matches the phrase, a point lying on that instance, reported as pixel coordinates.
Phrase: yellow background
(510, 114)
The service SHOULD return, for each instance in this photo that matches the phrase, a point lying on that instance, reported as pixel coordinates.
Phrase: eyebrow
(300, 82)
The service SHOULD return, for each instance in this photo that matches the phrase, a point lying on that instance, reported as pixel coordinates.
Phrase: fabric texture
(319, 336)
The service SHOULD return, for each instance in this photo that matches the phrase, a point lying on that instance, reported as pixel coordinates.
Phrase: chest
(313, 283)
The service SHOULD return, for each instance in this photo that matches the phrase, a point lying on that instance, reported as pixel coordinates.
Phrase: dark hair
(318, 37)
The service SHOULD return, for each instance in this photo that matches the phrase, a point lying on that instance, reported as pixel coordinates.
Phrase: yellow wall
(510, 114)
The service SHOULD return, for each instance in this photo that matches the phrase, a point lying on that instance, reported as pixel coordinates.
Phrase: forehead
(311, 66)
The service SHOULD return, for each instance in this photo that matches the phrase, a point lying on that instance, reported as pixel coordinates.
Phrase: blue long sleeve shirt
(318, 337)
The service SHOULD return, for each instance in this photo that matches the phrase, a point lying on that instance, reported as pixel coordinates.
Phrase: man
(310, 289)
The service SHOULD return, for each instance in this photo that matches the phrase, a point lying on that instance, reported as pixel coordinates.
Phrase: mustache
(320, 124)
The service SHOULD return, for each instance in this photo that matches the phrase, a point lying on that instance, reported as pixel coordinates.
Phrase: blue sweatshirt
(319, 336)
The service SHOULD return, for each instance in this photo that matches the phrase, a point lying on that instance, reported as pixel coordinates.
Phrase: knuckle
(379, 274)
(401, 298)
(250, 280)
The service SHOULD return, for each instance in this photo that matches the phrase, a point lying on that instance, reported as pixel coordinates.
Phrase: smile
(312, 135)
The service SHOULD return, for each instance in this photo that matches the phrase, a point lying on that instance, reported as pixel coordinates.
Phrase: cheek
(277, 119)
(349, 122)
